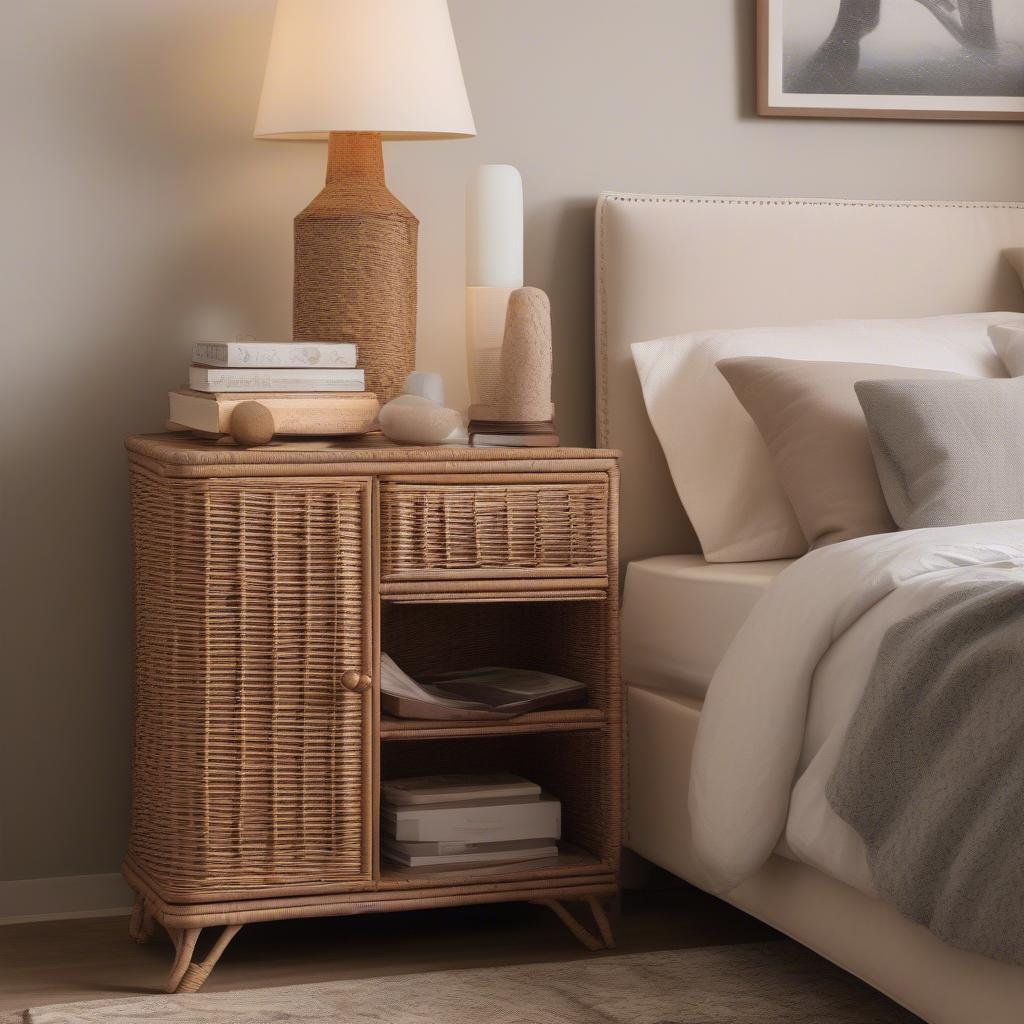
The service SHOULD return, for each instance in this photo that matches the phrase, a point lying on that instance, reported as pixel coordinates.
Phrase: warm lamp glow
(384, 66)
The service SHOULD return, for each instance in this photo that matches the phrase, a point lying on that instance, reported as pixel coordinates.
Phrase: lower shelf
(571, 875)
(570, 861)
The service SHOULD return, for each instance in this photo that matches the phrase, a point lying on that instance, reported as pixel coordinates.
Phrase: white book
(202, 378)
(274, 354)
(484, 821)
(422, 855)
(433, 789)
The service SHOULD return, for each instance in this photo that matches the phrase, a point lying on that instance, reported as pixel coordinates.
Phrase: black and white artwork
(886, 58)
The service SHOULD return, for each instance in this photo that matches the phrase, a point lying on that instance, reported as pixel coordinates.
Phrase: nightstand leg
(186, 976)
(185, 945)
(141, 925)
(589, 940)
(601, 920)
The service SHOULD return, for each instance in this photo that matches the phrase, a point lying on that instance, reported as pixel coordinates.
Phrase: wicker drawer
(455, 530)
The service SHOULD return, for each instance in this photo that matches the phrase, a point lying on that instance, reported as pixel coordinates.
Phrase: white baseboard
(54, 899)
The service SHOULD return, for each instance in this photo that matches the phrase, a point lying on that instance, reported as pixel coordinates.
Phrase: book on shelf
(478, 821)
(204, 378)
(275, 354)
(487, 693)
(423, 855)
(294, 413)
(432, 789)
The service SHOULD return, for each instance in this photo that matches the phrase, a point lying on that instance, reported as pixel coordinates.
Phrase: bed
(668, 265)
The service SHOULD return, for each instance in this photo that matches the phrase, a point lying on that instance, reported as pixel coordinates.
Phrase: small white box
(483, 821)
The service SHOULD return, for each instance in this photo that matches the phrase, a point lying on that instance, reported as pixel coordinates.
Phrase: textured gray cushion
(948, 452)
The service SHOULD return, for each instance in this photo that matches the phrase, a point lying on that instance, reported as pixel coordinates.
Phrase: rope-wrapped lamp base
(355, 265)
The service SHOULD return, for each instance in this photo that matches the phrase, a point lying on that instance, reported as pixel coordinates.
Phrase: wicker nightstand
(267, 582)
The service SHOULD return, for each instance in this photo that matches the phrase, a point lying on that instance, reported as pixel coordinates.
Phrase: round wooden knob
(355, 682)
(252, 424)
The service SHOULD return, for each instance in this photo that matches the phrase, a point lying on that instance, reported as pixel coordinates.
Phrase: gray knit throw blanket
(932, 772)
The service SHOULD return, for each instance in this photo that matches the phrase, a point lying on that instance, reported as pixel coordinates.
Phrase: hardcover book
(202, 378)
(273, 354)
(514, 440)
(422, 855)
(432, 789)
(301, 414)
(497, 433)
(481, 821)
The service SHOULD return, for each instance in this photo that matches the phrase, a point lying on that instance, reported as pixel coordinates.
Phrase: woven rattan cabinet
(267, 582)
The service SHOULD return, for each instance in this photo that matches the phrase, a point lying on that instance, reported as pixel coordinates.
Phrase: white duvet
(778, 708)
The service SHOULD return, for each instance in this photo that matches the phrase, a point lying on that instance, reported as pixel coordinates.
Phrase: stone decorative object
(419, 416)
(521, 414)
(526, 358)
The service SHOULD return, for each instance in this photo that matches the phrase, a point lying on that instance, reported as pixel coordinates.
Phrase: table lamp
(356, 72)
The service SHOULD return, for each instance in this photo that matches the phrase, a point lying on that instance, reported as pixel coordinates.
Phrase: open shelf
(574, 766)
(565, 638)
(572, 753)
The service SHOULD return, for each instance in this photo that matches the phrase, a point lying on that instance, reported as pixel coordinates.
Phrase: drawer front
(252, 759)
(455, 530)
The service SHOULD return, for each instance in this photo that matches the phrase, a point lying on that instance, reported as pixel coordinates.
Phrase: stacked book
(300, 382)
(463, 820)
(512, 434)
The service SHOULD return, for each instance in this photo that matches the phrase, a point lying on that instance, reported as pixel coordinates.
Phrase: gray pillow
(948, 452)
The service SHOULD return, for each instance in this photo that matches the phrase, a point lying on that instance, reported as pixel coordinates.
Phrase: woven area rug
(766, 983)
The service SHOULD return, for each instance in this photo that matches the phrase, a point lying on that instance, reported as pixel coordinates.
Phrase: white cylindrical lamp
(494, 269)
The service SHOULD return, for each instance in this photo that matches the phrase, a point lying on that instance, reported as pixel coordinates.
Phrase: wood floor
(64, 961)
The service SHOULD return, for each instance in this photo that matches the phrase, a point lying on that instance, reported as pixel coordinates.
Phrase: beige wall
(135, 193)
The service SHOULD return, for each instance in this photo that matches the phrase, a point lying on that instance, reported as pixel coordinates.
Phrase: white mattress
(680, 614)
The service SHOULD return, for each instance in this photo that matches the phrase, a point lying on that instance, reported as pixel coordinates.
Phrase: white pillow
(1008, 341)
(718, 460)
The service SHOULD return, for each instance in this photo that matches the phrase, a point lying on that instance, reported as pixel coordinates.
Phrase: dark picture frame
(830, 78)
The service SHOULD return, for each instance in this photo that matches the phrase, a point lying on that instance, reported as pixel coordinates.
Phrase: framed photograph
(939, 59)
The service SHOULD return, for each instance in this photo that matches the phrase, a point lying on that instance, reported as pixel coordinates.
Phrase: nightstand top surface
(184, 450)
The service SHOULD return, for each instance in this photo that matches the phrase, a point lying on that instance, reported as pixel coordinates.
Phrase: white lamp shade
(387, 66)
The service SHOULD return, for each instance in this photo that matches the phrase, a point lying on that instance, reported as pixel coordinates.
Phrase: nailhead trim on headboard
(601, 375)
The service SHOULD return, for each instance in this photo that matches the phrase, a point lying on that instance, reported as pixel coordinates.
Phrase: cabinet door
(252, 749)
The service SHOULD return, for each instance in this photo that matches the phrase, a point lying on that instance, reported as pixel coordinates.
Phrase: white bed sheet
(764, 754)
(680, 614)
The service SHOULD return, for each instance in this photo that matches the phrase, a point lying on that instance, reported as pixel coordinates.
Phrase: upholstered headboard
(673, 264)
